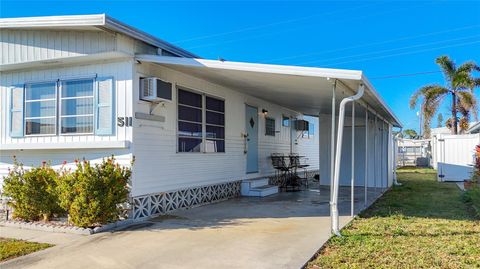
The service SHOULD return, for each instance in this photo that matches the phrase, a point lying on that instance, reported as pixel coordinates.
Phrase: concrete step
(263, 191)
(256, 182)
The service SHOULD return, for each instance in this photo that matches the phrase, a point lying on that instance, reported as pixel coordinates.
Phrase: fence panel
(454, 156)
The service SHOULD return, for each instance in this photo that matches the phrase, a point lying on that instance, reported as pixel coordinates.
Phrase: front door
(252, 138)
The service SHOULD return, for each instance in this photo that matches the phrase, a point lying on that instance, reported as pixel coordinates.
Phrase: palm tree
(459, 85)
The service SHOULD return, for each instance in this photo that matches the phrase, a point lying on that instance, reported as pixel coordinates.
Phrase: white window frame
(25, 101)
(60, 99)
(203, 123)
(58, 106)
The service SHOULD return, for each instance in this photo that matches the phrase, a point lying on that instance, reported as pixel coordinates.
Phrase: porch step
(257, 187)
(257, 182)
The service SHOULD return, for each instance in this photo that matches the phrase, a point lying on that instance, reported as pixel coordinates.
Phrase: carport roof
(307, 90)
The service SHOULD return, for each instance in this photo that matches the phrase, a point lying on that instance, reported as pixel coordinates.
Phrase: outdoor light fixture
(264, 111)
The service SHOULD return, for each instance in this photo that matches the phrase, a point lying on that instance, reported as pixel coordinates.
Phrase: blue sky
(385, 39)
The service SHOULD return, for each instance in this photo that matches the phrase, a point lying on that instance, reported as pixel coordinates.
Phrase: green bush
(93, 195)
(32, 192)
(472, 197)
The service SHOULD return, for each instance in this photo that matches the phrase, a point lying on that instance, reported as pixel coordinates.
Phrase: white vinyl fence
(454, 156)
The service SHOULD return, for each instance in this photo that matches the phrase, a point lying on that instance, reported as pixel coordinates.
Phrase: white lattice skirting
(156, 204)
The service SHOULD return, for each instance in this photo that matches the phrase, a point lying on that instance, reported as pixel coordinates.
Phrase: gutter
(338, 156)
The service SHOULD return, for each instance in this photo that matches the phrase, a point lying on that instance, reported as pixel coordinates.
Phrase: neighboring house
(74, 87)
(473, 129)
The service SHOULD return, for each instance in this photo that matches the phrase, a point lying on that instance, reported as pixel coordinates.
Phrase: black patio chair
(296, 164)
(281, 169)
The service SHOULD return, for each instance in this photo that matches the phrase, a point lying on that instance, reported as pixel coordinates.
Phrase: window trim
(204, 123)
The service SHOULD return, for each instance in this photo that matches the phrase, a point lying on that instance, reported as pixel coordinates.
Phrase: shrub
(32, 192)
(472, 197)
(93, 195)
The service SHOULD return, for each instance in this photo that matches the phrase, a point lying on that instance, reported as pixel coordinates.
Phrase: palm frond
(468, 102)
(426, 91)
(468, 67)
(430, 106)
(447, 66)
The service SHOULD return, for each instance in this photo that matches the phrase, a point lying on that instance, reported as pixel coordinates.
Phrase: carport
(348, 107)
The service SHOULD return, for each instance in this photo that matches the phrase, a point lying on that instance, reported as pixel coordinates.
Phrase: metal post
(375, 174)
(332, 149)
(319, 155)
(338, 156)
(382, 157)
(352, 190)
(332, 139)
(366, 157)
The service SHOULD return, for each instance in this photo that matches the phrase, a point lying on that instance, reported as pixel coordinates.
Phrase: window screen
(201, 123)
(40, 108)
(76, 107)
(270, 126)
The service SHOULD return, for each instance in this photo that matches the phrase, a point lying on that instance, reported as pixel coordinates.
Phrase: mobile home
(89, 86)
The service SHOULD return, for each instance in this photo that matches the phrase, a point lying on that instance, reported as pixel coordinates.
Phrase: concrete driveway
(280, 231)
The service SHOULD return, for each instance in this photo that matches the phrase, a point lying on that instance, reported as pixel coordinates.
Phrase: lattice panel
(161, 203)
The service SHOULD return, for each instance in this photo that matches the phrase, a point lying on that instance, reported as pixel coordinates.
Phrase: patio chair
(296, 164)
(281, 168)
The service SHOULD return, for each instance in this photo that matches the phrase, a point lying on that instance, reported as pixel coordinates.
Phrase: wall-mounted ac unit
(301, 125)
(155, 90)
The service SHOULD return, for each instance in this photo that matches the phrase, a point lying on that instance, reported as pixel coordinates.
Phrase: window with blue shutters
(63, 107)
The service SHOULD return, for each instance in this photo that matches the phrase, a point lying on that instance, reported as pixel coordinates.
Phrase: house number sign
(124, 121)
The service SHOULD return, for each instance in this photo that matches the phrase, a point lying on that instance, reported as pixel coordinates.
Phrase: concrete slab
(279, 231)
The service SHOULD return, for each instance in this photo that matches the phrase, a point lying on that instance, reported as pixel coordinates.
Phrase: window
(40, 108)
(76, 107)
(270, 126)
(311, 127)
(201, 123)
(62, 107)
(285, 121)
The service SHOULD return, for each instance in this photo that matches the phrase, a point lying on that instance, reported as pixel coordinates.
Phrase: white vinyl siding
(155, 142)
(122, 85)
(20, 46)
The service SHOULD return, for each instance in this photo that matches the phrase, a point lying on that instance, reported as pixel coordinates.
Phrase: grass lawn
(11, 248)
(421, 224)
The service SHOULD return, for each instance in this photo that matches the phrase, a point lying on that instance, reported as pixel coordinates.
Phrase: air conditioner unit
(301, 125)
(155, 90)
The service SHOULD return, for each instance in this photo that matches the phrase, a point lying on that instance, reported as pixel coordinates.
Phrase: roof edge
(100, 21)
(255, 67)
(367, 83)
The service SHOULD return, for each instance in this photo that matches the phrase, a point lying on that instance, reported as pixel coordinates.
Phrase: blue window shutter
(16, 110)
(105, 106)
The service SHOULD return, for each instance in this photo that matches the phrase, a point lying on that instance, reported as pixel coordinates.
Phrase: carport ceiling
(302, 89)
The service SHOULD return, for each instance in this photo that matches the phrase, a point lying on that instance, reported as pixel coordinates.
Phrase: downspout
(338, 156)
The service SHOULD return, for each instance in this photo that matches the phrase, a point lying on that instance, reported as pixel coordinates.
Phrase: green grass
(11, 248)
(421, 224)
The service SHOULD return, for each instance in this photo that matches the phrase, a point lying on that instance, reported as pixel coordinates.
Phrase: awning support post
(375, 155)
(332, 139)
(352, 190)
(366, 159)
(338, 156)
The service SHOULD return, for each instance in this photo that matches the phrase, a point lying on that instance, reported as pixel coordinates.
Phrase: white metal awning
(307, 90)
